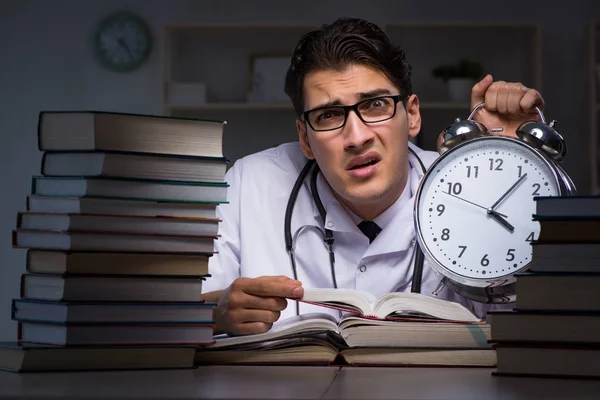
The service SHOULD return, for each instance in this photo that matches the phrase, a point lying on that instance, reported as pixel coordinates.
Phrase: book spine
(34, 184)
(28, 260)
(19, 219)
(44, 162)
(39, 130)
(13, 309)
(22, 286)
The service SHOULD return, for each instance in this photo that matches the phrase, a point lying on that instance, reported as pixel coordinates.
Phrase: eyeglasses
(375, 109)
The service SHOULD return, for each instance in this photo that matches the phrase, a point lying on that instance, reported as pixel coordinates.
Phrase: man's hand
(507, 104)
(251, 305)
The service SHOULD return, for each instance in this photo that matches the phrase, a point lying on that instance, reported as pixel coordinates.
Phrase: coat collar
(398, 219)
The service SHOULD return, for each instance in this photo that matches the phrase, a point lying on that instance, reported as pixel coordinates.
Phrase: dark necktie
(370, 229)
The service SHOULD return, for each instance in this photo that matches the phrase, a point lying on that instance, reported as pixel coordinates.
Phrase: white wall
(46, 63)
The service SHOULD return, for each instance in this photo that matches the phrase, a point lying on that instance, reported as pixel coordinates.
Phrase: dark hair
(345, 42)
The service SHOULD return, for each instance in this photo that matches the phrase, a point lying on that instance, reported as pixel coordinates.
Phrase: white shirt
(252, 233)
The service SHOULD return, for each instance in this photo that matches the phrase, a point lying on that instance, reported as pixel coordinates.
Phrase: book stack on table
(118, 230)
(554, 328)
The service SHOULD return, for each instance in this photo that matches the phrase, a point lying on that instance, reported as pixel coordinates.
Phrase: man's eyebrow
(374, 93)
(361, 96)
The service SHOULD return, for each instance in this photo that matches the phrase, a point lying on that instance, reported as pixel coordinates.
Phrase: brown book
(570, 258)
(31, 357)
(316, 351)
(585, 206)
(134, 165)
(111, 131)
(111, 242)
(115, 334)
(110, 312)
(569, 230)
(394, 305)
(565, 361)
(128, 188)
(318, 338)
(114, 206)
(106, 263)
(135, 224)
(560, 291)
(111, 288)
(544, 326)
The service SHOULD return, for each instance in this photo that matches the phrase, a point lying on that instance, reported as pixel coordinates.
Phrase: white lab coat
(252, 233)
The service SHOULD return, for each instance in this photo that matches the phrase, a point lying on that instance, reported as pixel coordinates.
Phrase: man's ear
(414, 115)
(303, 139)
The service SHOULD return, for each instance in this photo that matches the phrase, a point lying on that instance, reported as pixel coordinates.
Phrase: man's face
(364, 163)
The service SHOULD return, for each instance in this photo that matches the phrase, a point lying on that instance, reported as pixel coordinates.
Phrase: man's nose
(356, 132)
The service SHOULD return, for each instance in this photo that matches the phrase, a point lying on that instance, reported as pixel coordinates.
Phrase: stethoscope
(327, 233)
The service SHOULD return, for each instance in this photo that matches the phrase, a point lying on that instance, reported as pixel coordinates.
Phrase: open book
(318, 338)
(389, 306)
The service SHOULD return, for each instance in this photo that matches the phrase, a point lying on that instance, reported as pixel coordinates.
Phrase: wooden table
(270, 382)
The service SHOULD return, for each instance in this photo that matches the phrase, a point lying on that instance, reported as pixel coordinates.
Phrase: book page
(350, 300)
(304, 324)
(427, 333)
(408, 304)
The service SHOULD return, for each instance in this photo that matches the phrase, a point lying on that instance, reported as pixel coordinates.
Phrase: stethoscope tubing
(327, 233)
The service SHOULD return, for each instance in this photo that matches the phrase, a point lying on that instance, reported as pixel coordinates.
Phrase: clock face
(475, 207)
(122, 42)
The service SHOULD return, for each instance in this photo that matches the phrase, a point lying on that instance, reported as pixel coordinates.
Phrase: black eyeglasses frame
(354, 107)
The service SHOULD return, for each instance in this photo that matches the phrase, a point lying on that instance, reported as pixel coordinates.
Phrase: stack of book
(118, 229)
(554, 328)
(399, 329)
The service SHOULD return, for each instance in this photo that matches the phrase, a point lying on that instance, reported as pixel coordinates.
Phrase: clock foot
(440, 286)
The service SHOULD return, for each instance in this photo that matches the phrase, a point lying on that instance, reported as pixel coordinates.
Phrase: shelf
(463, 24)
(249, 106)
(250, 25)
(444, 105)
(221, 55)
(230, 106)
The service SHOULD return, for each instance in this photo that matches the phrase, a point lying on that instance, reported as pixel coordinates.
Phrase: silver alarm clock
(474, 206)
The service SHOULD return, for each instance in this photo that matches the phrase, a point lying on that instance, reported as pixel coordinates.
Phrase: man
(367, 174)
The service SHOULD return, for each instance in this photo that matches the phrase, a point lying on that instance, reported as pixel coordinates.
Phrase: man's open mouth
(363, 161)
(372, 162)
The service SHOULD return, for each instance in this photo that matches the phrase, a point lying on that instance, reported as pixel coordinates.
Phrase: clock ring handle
(475, 109)
(480, 105)
(544, 137)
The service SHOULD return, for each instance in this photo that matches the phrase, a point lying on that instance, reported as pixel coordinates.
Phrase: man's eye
(375, 103)
(327, 114)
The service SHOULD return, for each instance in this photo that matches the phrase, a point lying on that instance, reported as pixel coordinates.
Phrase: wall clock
(122, 42)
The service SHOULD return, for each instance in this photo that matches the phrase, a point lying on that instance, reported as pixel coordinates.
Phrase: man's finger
(479, 89)
(245, 300)
(277, 278)
(251, 328)
(249, 315)
(514, 100)
(530, 100)
(493, 96)
(501, 90)
(274, 288)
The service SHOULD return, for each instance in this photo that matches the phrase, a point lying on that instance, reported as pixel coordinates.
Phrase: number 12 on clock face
(474, 212)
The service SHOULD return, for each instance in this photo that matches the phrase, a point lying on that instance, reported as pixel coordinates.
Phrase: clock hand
(498, 217)
(124, 46)
(510, 189)
(477, 205)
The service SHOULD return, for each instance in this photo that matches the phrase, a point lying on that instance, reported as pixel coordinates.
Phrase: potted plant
(460, 77)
